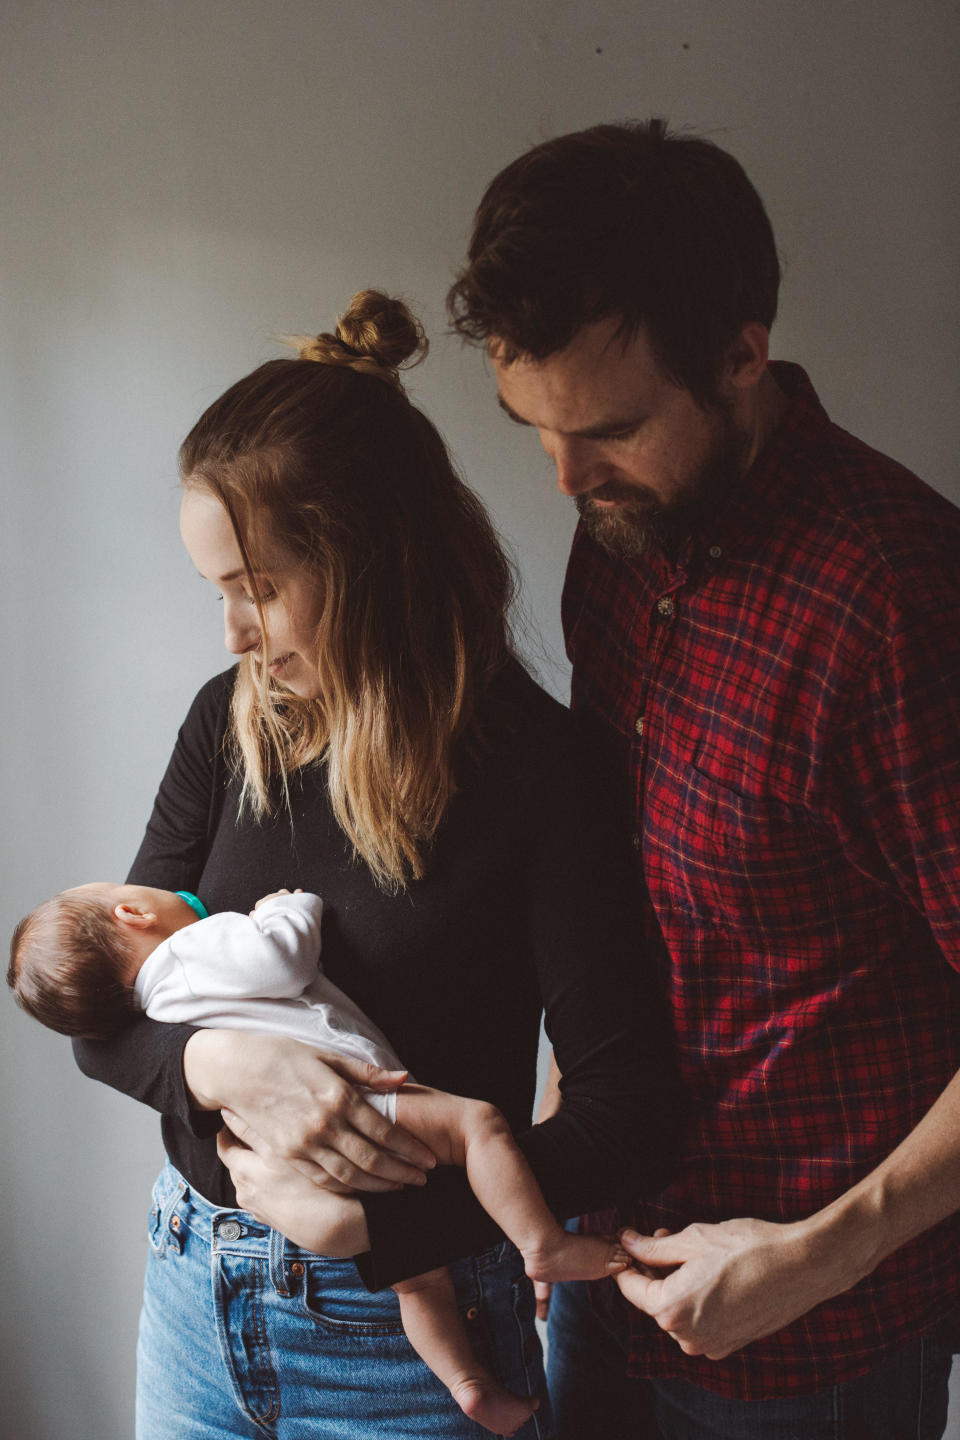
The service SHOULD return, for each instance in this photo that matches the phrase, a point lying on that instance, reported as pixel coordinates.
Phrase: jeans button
(230, 1230)
(473, 1312)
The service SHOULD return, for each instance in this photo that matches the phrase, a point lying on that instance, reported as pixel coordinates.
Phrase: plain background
(183, 181)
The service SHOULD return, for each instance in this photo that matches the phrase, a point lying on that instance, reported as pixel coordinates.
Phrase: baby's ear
(134, 916)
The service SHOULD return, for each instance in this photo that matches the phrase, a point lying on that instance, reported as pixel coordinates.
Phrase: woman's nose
(241, 632)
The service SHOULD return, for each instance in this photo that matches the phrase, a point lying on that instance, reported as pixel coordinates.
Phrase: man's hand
(715, 1288)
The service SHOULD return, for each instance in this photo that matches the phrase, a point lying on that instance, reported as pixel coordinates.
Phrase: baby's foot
(492, 1406)
(576, 1257)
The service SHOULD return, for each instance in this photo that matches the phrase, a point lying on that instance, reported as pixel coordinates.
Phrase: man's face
(642, 459)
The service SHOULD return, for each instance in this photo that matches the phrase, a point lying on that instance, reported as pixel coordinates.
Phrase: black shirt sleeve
(145, 1059)
(617, 1129)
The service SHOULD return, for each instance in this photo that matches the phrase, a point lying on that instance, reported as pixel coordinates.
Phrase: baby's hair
(67, 962)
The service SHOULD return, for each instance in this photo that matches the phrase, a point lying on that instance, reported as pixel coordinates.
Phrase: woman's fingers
(304, 1106)
(275, 1194)
(355, 1146)
(374, 1127)
(361, 1145)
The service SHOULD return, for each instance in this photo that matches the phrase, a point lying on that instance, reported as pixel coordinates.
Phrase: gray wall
(185, 180)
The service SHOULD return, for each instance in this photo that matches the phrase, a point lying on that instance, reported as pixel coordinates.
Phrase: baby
(84, 961)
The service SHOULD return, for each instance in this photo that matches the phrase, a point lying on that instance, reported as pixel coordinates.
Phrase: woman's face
(291, 599)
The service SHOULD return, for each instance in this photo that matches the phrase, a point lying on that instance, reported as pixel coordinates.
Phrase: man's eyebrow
(590, 432)
(508, 410)
(609, 427)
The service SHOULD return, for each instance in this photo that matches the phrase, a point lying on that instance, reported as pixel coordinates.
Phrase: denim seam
(262, 1422)
(518, 1287)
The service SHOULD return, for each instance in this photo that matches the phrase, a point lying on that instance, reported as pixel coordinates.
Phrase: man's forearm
(915, 1187)
(716, 1288)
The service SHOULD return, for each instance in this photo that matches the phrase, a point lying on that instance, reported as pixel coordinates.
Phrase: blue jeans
(244, 1334)
(903, 1398)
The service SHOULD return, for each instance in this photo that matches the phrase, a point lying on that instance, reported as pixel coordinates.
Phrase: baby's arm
(475, 1135)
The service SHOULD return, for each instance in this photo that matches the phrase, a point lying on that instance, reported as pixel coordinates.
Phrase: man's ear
(746, 358)
(134, 916)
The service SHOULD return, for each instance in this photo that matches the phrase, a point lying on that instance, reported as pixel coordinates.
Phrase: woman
(379, 744)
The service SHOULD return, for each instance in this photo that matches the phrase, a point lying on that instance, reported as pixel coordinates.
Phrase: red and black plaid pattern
(785, 699)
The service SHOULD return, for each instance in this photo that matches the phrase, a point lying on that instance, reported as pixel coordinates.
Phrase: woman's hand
(300, 1106)
(281, 1197)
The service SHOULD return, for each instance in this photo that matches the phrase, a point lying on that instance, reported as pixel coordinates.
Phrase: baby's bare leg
(474, 1134)
(428, 1308)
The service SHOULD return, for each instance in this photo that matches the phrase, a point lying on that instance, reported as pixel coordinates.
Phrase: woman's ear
(134, 916)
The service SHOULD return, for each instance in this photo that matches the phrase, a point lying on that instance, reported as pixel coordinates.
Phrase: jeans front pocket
(332, 1295)
(164, 1229)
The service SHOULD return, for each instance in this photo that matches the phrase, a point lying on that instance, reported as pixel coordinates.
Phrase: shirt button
(715, 552)
(666, 606)
(638, 724)
(635, 841)
(230, 1230)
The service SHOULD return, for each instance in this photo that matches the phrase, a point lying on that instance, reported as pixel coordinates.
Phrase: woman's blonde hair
(325, 458)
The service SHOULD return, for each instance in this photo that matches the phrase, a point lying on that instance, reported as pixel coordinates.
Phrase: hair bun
(376, 336)
(383, 328)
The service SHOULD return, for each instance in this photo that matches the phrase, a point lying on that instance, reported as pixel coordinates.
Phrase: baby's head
(74, 960)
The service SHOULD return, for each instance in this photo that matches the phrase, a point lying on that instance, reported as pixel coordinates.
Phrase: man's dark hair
(67, 966)
(662, 230)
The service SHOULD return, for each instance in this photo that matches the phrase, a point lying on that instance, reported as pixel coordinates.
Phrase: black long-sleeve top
(530, 899)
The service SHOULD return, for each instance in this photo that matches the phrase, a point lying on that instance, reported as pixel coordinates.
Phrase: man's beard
(638, 524)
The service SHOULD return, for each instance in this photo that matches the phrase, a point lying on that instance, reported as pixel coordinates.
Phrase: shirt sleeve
(145, 1059)
(617, 1129)
(896, 764)
(289, 926)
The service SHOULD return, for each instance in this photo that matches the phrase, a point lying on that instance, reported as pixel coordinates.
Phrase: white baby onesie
(262, 972)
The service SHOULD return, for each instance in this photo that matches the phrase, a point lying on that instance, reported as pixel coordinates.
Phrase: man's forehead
(597, 383)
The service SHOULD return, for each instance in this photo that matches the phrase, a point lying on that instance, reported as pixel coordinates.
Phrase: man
(764, 615)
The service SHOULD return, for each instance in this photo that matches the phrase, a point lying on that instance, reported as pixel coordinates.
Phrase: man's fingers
(642, 1291)
(662, 1249)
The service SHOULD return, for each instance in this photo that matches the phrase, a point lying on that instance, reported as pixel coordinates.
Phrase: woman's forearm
(145, 1061)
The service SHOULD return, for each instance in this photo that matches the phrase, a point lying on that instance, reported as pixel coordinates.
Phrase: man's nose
(577, 470)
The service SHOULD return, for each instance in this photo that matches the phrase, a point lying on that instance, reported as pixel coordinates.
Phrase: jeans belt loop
(278, 1270)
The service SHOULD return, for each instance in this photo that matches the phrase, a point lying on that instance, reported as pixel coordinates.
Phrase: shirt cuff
(422, 1227)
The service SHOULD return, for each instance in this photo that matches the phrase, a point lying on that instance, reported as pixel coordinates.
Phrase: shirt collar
(788, 456)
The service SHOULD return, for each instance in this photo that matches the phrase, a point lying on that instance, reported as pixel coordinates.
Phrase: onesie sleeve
(622, 1111)
(145, 1059)
(289, 930)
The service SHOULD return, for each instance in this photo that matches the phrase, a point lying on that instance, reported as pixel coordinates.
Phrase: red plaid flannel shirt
(785, 700)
